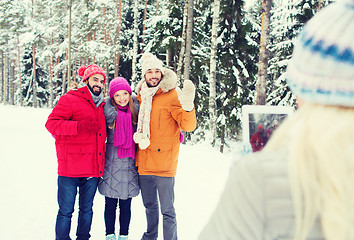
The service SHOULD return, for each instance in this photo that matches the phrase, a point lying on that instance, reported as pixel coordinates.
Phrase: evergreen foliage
(27, 79)
(43, 24)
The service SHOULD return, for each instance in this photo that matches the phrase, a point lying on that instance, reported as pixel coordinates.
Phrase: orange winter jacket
(167, 118)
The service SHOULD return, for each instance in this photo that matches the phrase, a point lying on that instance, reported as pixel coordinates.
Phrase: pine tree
(284, 28)
(163, 28)
(27, 76)
(237, 68)
(287, 20)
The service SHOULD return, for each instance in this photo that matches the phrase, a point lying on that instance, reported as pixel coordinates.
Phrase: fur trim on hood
(168, 81)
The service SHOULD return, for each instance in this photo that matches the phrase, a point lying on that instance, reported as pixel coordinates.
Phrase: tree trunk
(168, 57)
(157, 6)
(51, 85)
(12, 85)
(263, 54)
(105, 39)
(189, 31)
(57, 84)
(183, 43)
(34, 82)
(116, 63)
(63, 85)
(7, 79)
(2, 78)
(117, 53)
(69, 46)
(212, 77)
(94, 39)
(135, 42)
(188, 39)
(144, 27)
(19, 69)
(222, 139)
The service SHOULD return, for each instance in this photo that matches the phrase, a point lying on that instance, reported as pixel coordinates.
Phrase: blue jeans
(151, 186)
(67, 190)
(124, 215)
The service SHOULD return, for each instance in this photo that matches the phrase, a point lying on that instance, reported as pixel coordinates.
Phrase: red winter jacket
(258, 142)
(79, 155)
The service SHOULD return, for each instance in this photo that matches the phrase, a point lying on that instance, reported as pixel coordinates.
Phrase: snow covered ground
(28, 205)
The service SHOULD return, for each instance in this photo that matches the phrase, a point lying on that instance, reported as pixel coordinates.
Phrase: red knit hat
(260, 126)
(117, 84)
(86, 72)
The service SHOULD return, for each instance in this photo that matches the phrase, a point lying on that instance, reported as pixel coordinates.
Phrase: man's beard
(96, 93)
(150, 86)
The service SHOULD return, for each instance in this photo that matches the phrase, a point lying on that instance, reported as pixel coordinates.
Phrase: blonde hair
(320, 141)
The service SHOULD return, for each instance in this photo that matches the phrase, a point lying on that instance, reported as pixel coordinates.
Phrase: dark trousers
(155, 189)
(124, 215)
(67, 191)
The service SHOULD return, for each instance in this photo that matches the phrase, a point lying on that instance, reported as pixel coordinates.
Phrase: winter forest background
(234, 51)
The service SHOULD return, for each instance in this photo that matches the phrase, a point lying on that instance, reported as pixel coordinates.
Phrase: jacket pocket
(81, 158)
(159, 158)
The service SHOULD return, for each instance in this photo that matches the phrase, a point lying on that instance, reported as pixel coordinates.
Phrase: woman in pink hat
(119, 182)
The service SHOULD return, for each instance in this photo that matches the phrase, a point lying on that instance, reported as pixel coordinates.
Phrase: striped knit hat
(322, 66)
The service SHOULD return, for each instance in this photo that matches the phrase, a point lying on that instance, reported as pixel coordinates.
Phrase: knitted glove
(186, 96)
(88, 127)
(141, 139)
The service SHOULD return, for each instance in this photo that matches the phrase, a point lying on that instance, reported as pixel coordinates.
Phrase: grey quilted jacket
(120, 177)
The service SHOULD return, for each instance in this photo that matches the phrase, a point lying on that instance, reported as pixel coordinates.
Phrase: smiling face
(153, 77)
(95, 83)
(121, 98)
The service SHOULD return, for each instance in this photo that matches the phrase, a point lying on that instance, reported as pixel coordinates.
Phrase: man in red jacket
(78, 124)
(259, 139)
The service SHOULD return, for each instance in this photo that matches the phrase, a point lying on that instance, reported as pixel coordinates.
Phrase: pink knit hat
(117, 84)
(86, 72)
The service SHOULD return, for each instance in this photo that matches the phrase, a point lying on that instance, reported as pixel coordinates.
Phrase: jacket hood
(81, 92)
(168, 81)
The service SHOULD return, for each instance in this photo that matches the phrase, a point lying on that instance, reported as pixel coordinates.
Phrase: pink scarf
(123, 135)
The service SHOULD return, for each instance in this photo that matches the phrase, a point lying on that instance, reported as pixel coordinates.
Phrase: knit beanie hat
(150, 61)
(86, 72)
(322, 66)
(117, 84)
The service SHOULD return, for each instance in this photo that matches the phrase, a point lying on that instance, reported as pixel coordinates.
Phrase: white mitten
(186, 96)
(144, 143)
(137, 137)
(141, 139)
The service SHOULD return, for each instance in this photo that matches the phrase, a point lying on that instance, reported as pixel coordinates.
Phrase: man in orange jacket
(164, 111)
